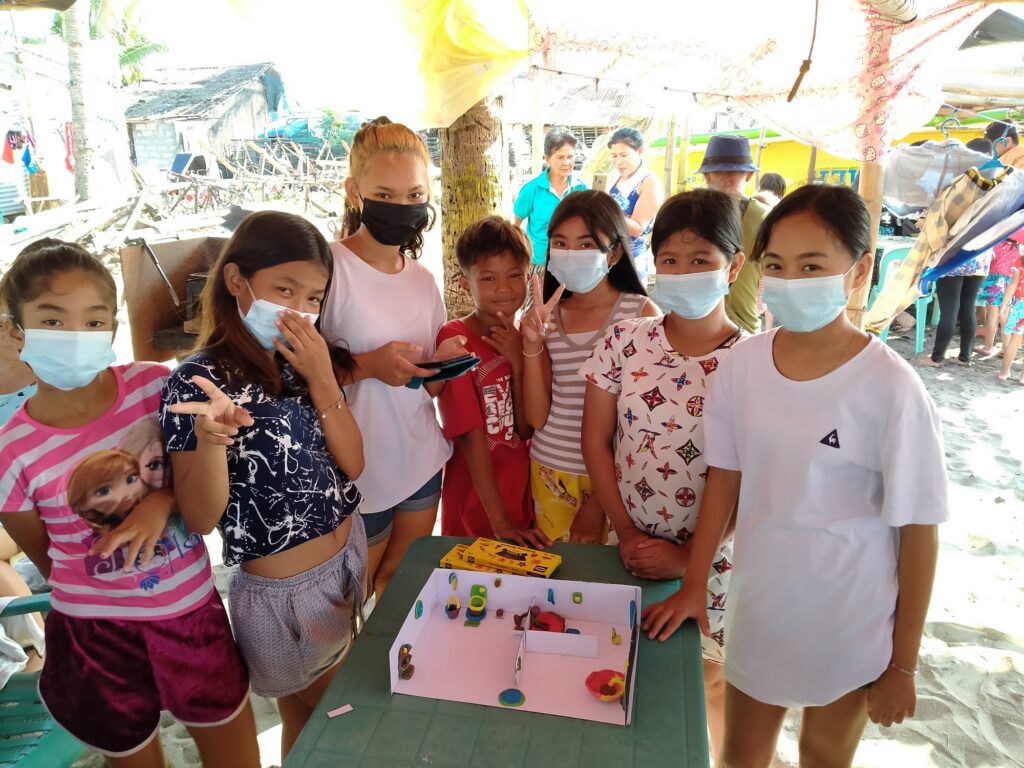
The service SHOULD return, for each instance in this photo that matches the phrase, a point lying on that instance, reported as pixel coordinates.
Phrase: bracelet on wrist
(340, 403)
(535, 354)
(903, 670)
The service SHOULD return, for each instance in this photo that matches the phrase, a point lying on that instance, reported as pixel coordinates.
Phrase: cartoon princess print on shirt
(106, 486)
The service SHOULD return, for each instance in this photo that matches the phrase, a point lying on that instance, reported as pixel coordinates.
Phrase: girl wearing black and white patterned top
(264, 447)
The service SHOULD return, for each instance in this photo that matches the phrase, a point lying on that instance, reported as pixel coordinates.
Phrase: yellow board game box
(512, 559)
(456, 560)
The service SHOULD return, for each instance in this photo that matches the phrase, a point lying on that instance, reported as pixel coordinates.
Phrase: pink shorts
(106, 680)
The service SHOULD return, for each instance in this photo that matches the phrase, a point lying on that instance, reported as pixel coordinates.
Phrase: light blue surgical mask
(578, 271)
(261, 319)
(805, 304)
(67, 360)
(691, 296)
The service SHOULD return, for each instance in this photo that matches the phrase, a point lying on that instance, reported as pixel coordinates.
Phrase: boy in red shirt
(486, 489)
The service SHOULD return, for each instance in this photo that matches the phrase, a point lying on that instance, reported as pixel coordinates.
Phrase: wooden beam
(869, 186)
(812, 165)
(670, 154)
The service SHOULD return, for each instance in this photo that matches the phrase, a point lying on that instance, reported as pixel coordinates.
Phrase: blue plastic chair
(29, 737)
(921, 305)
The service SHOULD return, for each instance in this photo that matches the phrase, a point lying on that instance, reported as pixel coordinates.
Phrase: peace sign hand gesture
(217, 420)
(537, 322)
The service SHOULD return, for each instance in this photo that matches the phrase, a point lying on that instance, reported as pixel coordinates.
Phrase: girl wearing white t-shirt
(809, 428)
(384, 307)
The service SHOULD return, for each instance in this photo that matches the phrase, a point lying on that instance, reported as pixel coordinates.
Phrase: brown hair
(377, 137)
(490, 237)
(94, 470)
(263, 239)
(38, 263)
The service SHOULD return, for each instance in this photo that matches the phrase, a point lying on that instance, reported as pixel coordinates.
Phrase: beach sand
(971, 681)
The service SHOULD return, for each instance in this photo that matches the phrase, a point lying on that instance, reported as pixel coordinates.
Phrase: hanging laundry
(28, 155)
(12, 143)
(986, 222)
(901, 284)
(915, 176)
(69, 147)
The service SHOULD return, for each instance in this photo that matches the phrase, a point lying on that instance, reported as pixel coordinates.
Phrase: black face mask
(393, 223)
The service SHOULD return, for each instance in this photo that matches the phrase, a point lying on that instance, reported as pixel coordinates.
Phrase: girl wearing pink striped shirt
(136, 626)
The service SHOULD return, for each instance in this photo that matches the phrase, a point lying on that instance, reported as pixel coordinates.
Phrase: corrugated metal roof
(189, 93)
(13, 192)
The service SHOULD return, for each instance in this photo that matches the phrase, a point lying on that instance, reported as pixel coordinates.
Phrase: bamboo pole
(757, 160)
(812, 166)
(684, 158)
(670, 153)
(869, 186)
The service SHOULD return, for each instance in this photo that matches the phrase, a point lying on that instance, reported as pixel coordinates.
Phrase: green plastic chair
(29, 737)
(890, 260)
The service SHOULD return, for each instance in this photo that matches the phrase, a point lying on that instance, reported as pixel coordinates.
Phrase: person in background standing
(957, 294)
(727, 166)
(1010, 151)
(538, 198)
(771, 188)
(637, 191)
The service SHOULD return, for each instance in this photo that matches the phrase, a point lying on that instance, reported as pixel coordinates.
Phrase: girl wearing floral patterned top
(643, 436)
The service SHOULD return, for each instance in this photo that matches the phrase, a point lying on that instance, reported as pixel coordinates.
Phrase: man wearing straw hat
(727, 166)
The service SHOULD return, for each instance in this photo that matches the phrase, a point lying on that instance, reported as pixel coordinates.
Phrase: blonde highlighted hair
(377, 137)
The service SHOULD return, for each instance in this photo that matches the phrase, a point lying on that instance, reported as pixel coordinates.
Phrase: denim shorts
(379, 524)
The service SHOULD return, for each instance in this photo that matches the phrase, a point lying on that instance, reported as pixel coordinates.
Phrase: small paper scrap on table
(340, 711)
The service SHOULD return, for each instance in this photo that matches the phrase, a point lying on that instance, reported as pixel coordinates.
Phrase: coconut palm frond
(135, 54)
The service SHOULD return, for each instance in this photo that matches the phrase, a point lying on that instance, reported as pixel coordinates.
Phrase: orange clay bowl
(606, 684)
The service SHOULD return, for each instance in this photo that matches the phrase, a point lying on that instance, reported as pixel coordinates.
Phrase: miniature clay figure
(511, 697)
(546, 621)
(477, 608)
(497, 582)
(453, 606)
(405, 666)
(606, 684)
(500, 613)
(577, 597)
(616, 638)
(519, 619)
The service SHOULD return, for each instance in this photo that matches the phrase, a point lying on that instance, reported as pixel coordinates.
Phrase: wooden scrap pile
(258, 176)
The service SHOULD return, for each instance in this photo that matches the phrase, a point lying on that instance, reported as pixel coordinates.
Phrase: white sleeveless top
(557, 443)
(366, 308)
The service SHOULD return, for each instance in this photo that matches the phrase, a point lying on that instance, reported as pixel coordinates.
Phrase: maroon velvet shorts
(106, 680)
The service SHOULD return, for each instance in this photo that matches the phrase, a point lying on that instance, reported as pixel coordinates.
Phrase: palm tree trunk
(473, 164)
(76, 36)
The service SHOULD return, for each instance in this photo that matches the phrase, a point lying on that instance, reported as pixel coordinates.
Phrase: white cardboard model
(462, 660)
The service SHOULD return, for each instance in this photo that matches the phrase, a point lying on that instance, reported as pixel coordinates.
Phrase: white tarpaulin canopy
(871, 80)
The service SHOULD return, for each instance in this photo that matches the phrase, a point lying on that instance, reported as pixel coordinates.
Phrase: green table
(384, 731)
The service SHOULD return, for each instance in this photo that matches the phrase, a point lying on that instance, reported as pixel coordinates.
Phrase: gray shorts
(292, 630)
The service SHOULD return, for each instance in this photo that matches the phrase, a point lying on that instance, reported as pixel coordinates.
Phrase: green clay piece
(511, 697)
(470, 623)
(577, 597)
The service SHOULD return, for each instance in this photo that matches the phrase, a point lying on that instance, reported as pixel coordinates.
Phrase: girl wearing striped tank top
(590, 284)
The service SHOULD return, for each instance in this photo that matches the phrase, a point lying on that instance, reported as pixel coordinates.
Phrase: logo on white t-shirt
(831, 439)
